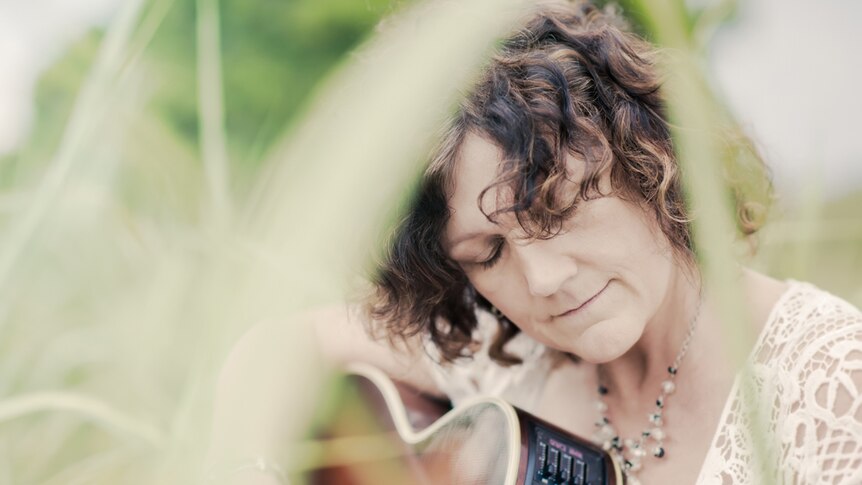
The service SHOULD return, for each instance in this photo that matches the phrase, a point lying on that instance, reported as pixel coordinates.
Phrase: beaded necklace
(630, 452)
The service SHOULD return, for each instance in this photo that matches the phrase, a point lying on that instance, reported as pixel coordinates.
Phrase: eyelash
(490, 262)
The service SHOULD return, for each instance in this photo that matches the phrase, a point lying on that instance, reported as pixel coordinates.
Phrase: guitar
(482, 441)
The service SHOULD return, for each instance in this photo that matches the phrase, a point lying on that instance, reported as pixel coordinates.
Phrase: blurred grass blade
(92, 469)
(150, 22)
(213, 141)
(363, 141)
(92, 409)
(695, 121)
(710, 18)
(89, 110)
(335, 179)
(810, 217)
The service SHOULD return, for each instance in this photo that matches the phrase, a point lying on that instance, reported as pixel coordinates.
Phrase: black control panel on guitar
(557, 460)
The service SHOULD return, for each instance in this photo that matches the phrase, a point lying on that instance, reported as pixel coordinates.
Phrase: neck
(640, 371)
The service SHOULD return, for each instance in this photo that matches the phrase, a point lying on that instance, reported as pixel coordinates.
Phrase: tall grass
(130, 263)
(131, 266)
(695, 119)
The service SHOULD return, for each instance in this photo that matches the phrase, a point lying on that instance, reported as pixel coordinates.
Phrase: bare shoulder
(805, 319)
(803, 301)
(764, 292)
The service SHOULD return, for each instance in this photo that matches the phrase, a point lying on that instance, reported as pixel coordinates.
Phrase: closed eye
(495, 256)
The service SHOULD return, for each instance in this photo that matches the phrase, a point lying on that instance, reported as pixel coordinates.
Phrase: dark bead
(645, 434)
(603, 390)
(660, 452)
(659, 403)
(672, 370)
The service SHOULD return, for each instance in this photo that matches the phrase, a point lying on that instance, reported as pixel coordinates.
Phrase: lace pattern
(806, 375)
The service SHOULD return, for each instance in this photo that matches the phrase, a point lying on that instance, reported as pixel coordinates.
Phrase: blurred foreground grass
(150, 220)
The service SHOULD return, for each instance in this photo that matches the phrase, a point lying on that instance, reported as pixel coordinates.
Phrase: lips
(584, 304)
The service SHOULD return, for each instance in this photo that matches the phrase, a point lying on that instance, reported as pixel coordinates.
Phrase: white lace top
(805, 369)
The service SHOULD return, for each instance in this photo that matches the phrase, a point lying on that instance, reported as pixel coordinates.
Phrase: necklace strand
(630, 452)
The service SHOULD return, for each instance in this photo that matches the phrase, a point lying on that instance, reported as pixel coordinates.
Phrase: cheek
(502, 289)
(633, 240)
(652, 261)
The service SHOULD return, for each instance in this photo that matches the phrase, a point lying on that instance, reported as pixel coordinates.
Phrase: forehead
(476, 168)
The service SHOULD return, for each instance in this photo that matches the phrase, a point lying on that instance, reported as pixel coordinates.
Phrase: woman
(548, 259)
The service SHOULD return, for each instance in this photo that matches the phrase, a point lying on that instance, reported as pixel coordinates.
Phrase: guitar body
(483, 441)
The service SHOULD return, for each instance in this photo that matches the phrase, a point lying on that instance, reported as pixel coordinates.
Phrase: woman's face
(589, 291)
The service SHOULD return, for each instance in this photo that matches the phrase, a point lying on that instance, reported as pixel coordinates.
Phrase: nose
(544, 267)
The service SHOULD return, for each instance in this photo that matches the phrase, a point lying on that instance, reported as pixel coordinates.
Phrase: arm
(265, 395)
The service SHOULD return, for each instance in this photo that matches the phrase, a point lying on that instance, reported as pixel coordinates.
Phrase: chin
(606, 341)
(597, 357)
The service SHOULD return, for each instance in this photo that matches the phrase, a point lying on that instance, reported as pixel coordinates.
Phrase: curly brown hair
(572, 80)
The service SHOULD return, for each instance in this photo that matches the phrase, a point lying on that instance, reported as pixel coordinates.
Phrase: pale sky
(788, 68)
(33, 34)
